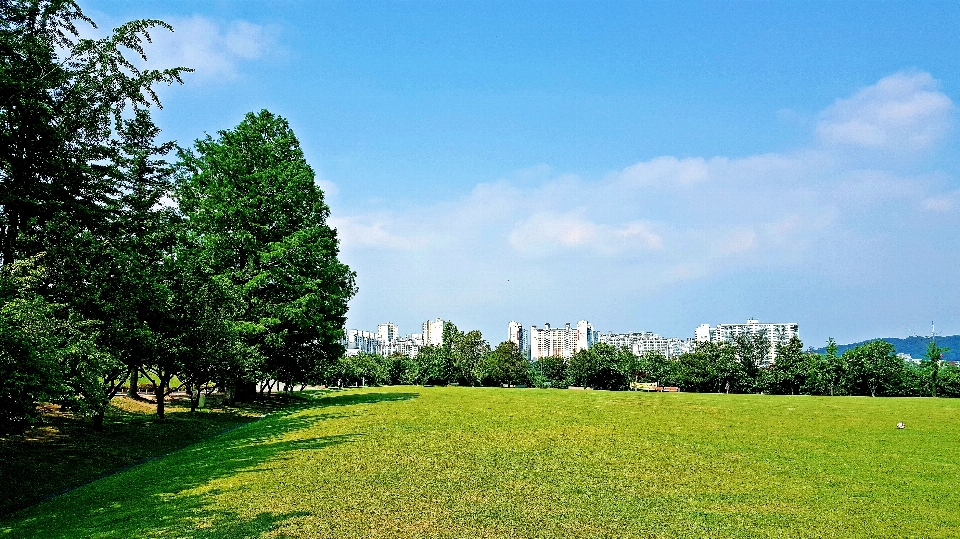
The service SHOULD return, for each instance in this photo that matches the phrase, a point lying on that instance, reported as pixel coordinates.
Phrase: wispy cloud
(944, 203)
(214, 49)
(549, 232)
(366, 232)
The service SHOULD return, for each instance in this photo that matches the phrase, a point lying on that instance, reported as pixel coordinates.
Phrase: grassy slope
(66, 452)
(463, 462)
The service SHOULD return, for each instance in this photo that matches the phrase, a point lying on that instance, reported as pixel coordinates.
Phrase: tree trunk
(161, 394)
(134, 383)
(98, 420)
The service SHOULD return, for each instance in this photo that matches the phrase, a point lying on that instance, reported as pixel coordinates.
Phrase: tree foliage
(257, 219)
(506, 365)
(107, 272)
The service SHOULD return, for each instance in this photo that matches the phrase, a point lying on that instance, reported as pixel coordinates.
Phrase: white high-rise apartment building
(641, 343)
(387, 332)
(409, 345)
(387, 340)
(362, 341)
(433, 332)
(561, 342)
(775, 333)
(521, 336)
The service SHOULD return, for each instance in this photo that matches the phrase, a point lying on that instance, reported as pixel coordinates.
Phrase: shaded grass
(64, 451)
(465, 462)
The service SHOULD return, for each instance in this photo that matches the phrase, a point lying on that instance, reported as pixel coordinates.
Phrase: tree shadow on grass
(173, 496)
(349, 399)
(65, 452)
(167, 497)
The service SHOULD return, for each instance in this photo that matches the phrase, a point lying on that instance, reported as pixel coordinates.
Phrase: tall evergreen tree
(254, 209)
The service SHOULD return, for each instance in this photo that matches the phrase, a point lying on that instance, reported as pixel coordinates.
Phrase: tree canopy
(121, 258)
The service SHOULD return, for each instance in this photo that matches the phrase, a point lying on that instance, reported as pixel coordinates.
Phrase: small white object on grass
(900, 425)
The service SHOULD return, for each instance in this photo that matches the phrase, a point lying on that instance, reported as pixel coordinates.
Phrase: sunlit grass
(464, 462)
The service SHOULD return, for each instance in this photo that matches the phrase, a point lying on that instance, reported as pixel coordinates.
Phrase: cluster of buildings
(775, 333)
(387, 339)
(535, 343)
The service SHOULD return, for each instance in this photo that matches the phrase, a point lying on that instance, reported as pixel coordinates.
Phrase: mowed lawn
(490, 462)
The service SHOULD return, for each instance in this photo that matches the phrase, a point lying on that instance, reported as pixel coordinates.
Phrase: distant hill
(915, 346)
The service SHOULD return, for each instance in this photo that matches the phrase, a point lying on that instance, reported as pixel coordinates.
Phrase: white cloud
(904, 112)
(666, 171)
(939, 204)
(212, 49)
(942, 203)
(642, 233)
(246, 40)
(873, 186)
(738, 241)
(354, 232)
(546, 233)
(328, 187)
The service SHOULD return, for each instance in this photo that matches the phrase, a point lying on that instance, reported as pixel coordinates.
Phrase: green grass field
(464, 462)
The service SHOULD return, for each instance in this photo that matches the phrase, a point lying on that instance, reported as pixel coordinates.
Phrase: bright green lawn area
(465, 462)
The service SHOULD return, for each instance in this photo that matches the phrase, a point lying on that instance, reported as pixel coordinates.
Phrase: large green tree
(29, 367)
(712, 367)
(788, 374)
(117, 272)
(550, 371)
(825, 373)
(602, 366)
(873, 369)
(467, 353)
(505, 364)
(252, 204)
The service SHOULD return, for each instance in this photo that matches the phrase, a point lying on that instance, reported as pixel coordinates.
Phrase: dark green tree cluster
(872, 369)
(117, 261)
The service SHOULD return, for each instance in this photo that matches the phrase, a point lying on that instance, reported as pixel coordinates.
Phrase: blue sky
(644, 166)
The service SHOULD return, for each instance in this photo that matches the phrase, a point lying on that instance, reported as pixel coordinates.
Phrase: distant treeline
(915, 346)
(741, 366)
(122, 256)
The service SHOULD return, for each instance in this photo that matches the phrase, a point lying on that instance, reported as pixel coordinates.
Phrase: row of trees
(464, 358)
(122, 256)
(741, 366)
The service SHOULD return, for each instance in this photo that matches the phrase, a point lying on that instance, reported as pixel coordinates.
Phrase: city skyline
(653, 165)
(564, 340)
